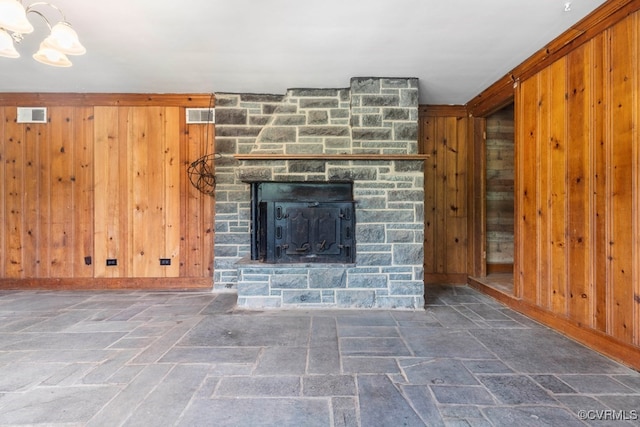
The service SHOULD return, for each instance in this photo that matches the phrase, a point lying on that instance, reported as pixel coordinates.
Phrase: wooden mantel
(271, 156)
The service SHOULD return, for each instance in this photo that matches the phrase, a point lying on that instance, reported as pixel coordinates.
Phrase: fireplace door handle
(303, 248)
(313, 204)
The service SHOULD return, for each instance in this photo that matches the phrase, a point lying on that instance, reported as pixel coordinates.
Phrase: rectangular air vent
(201, 115)
(32, 115)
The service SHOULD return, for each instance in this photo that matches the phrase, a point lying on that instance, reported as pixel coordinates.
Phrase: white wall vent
(201, 115)
(32, 115)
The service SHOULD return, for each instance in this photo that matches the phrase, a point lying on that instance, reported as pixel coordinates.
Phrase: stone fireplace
(319, 197)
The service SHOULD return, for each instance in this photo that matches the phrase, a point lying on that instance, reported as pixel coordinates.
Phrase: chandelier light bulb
(64, 39)
(7, 49)
(13, 17)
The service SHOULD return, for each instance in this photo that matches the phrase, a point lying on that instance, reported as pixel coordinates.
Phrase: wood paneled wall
(578, 185)
(444, 136)
(102, 182)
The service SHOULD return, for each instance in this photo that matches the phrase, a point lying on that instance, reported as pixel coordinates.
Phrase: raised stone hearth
(365, 135)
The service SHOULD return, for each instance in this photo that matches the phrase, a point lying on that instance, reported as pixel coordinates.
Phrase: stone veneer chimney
(375, 123)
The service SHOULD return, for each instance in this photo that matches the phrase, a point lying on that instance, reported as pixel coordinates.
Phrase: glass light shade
(7, 49)
(64, 39)
(13, 17)
(49, 56)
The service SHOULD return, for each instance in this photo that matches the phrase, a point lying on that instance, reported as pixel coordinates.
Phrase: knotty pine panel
(444, 137)
(578, 185)
(198, 253)
(98, 183)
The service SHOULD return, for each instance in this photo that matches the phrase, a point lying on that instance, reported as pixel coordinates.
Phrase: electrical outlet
(112, 262)
(165, 261)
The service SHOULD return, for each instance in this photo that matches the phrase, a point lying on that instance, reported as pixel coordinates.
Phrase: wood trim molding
(115, 283)
(501, 92)
(331, 156)
(624, 353)
(442, 110)
(106, 99)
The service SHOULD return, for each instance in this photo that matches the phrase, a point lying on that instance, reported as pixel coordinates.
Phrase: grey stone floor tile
(437, 371)
(553, 384)
(106, 369)
(328, 385)
(449, 317)
(211, 355)
(370, 365)
(422, 401)
(381, 404)
(266, 386)
(442, 342)
(164, 405)
(516, 389)
(282, 361)
(345, 412)
(55, 405)
(21, 376)
(632, 381)
(487, 366)
(324, 352)
(249, 331)
(64, 341)
(366, 319)
(123, 405)
(374, 347)
(458, 394)
(531, 416)
(528, 350)
(595, 384)
(256, 412)
(368, 331)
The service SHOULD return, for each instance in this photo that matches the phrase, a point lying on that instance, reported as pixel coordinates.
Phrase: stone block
(318, 117)
(290, 120)
(392, 114)
(408, 254)
(289, 281)
(306, 166)
(361, 85)
(403, 302)
(278, 134)
(374, 259)
(405, 131)
(231, 116)
(324, 131)
(373, 233)
(406, 288)
(406, 195)
(327, 278)
(374, 134)
(355, 298)
(259, 302)
(301, 297)
(319, 103)
(380, 100)
(368, 281)
(246, 289)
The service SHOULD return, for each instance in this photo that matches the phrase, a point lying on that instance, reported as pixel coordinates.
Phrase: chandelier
(62, 40)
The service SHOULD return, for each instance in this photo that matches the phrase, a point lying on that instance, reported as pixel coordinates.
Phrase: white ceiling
(456, 48)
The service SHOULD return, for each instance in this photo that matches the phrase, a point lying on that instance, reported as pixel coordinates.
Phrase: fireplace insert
(302, 222)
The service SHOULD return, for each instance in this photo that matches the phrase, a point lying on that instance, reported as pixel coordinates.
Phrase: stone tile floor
(194, 359)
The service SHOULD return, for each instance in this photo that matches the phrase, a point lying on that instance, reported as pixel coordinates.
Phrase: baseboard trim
(111, 283)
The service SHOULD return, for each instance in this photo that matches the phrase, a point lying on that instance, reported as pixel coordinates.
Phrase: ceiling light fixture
(62, 40)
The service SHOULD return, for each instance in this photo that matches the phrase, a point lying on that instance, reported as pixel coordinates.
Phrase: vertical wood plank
(62, 181)
(172, 169)
(634, 57)
(544, 166)
(194, 256)
(598, 172)
(621, 184)
(526, 189)
(557, 180)
(83, 191)
(13, 178)
(440, 223)
(32, 198)
(578, 150)
(3, 204)
(427, 140)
